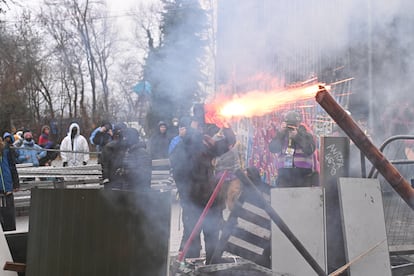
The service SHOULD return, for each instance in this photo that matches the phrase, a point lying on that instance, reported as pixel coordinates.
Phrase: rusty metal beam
(378, 160)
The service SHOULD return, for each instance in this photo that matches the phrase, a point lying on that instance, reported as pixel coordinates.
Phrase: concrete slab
(302, 210)
(364, 226)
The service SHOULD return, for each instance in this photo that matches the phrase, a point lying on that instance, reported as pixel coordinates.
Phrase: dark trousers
(7, 212)
(211, 227)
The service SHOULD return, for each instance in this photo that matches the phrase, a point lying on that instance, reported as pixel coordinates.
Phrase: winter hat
(27, 135)
(162, 123)
(107, 125)
(293, 118)
(6, 134)
(131, 136)
(119, 127)
(185, 122)
(44, 127)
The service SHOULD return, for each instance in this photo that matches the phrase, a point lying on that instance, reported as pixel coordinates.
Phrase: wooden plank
(250, 237)
(252, 217)
(17, 267)
(160, 162)
(242, 251)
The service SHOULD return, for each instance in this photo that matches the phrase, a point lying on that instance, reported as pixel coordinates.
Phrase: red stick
(202, 216)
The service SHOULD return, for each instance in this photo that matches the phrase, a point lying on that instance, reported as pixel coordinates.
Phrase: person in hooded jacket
(9, 153)
(44, 137)
(30, 152)
(159, 142)
(74, 148)
(126, 165)
(9, 181)
(46, 143)
(100, 137)
(193, 171)
(294, 147)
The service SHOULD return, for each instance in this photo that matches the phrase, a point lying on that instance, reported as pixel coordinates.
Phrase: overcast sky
(116, 6)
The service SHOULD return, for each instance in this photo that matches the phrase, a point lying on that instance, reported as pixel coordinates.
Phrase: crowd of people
(199, 154)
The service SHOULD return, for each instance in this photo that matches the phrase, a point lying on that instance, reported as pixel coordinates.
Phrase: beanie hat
(184, 122)
(162, 123)
(119, 126)
(27, 135)
(293, 118)
(6, 134)
(44, 127)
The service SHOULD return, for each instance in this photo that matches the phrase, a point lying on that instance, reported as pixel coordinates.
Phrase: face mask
(28, 139)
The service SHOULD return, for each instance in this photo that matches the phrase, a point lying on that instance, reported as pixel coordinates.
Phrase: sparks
(258, 103)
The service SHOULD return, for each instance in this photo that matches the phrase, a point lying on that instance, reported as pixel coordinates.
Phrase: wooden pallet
(247, 230)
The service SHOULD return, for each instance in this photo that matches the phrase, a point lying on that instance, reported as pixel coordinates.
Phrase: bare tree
(146, 37)
(19, 48)
(102, 37)
(74, 70)
(147, 34)
(67, 53)
(83, 43)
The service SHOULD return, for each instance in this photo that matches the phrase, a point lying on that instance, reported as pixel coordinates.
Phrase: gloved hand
(105, 181)
(65, 164)
(85, 163)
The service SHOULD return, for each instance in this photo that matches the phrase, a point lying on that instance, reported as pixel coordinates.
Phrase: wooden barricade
(88, 176)
(247, 230)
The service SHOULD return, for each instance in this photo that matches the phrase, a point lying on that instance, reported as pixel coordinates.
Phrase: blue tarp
(142, 87)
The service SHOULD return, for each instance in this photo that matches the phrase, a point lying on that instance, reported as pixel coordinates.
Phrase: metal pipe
(386, 143)
(281, 224)
(378, 160)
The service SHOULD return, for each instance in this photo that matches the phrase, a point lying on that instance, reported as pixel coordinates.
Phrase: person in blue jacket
(9, 178)
(30, 152)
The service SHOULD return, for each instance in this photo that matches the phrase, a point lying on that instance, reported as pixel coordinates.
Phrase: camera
(290, 127)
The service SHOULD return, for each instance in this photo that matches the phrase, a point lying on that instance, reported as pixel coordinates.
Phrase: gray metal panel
(302, 210)
(98, 232)
(364, 226)
(334, 164)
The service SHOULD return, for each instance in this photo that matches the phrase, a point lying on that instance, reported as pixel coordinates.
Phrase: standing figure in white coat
(76, 143)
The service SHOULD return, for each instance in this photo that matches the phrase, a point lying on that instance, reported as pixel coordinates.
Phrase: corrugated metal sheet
(98, 232)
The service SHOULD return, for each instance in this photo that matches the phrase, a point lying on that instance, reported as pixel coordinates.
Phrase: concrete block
(302, 210)
(364, 226)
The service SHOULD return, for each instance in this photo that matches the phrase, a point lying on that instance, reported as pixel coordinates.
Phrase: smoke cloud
(370, 41)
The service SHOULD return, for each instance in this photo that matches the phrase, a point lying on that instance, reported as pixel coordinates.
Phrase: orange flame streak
(258, 103)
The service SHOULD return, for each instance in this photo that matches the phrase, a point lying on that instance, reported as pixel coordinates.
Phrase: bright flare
(258, 103)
